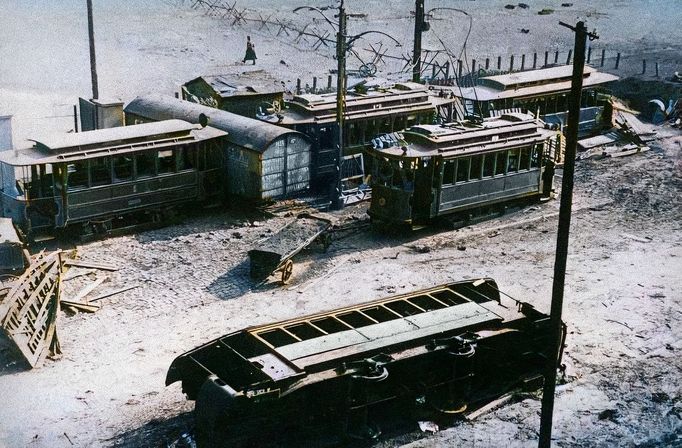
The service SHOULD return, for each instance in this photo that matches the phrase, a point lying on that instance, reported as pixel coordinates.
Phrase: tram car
(355, 371)
(90, 179)
(461, 168)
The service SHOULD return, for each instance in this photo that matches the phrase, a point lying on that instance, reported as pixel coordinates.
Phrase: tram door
(423, 194)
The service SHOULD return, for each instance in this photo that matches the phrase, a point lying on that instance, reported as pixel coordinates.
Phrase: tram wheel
(287, 270)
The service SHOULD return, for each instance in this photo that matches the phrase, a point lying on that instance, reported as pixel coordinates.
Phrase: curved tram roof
(246, 132)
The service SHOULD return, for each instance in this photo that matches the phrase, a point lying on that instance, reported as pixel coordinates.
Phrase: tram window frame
(100, 171)
(449, 171)
(186, 157)
(463, 167)
(165, 161)
(119, 164)
(151, 172)
(84, 183)
(488, 165)
(476, 167)
(500, 163)
(513, 159)
(524, 159)
(535, 156)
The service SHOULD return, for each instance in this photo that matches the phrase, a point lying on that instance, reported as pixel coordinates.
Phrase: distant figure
(250, 52)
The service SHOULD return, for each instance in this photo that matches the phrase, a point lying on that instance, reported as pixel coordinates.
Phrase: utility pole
(581, 35)
(419, 26)
(337, 201)
(93, 63)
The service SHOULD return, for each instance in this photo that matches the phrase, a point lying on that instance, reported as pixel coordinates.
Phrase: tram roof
(450, 139)
(246, 132)
(321, 108)
(530, 83)
(112, 141)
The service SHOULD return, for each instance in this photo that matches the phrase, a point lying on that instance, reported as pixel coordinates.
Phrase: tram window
(386, 125)
(326, 138)
(488, 165)
(513, 161)
(123, 168)
(525, 158)
(501, 162)
(146, 164)
(100, 171)
(78, 175)
(449, 172)
(186, 158)
(476, 164)
(463, 169)
(535, 157)
(166, 161)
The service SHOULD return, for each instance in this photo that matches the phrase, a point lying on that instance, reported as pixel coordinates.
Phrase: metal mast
(93, 62)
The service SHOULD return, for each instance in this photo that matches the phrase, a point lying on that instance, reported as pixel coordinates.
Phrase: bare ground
(623, 287)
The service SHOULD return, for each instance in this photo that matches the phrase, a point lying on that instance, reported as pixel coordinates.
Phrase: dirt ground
(622, 304)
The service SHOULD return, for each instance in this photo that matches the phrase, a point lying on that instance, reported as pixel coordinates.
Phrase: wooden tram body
(354, 370)
(96, 176)
(430, 171)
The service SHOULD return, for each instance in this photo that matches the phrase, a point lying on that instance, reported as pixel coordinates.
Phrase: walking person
(250, 51)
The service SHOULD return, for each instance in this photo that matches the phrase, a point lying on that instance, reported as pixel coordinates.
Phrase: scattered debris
(620, 323)
(525, 30)
(28, 313)
(523, 6)
(13, 256)
(545, 11)
(509, 6)
(427, 426)
(567, 5)
(636, 238)
(609, 414)
(489, 407)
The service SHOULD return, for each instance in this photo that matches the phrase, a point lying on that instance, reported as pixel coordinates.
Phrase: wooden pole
(556, 324)
(93, 62)
(417, 50)
(337, 202)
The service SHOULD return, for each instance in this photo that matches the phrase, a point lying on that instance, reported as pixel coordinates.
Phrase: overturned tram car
(461, 168)
(350, 372)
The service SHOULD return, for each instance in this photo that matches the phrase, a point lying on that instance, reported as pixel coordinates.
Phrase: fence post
(499, 62)
(556, 57)
(459, 69)
(511, 63)
(657, 69)
(298, 86)
(603, 56)
(643, 66)
(433, 70)
(546, 57)
(447, 70)
(473, 66)
(314, 84)
(589, 54)
(568, 59)
(523, 61)
(329, 82)
(487, 63)
(617, 60)
(535, 60)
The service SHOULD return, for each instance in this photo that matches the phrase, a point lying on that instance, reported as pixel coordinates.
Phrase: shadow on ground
(155, 433)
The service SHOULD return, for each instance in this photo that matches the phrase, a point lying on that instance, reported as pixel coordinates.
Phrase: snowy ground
(623, 283)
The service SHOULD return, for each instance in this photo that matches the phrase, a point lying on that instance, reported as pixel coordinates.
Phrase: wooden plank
(87, 289)
(113, 293)
(86, 264)
(80, 306)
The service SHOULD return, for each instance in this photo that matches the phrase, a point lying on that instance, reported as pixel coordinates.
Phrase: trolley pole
(419, 26)
(581, 35)
(93, 63)
(337, 201)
